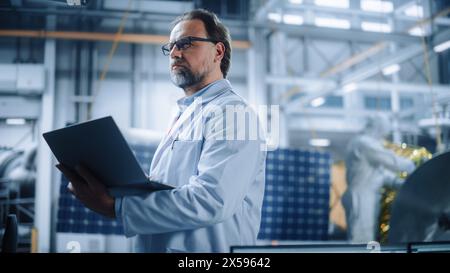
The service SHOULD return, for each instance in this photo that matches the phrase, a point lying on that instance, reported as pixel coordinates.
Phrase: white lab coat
(219, 185)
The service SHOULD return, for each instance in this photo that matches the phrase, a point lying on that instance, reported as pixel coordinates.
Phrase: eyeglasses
(184, 43)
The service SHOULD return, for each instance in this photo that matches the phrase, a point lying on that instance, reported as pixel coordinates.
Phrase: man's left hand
(89, 190)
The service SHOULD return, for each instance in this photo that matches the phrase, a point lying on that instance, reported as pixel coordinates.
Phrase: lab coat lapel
(168, 139)
(175, 130)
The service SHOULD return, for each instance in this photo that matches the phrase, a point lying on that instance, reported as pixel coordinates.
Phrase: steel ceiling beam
(363, 73)
(311, 85)
(338, 34)
(100, 36)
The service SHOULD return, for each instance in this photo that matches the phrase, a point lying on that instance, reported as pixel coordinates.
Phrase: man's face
(190, 67)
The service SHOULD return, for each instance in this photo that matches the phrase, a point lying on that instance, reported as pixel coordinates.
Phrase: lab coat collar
(207, 93)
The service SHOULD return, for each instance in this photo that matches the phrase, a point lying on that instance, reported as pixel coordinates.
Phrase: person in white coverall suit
(369, 166)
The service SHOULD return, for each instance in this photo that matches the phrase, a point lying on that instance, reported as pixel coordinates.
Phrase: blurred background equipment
(420, 212)
(9, 241)
(17, 178)
(418, 155)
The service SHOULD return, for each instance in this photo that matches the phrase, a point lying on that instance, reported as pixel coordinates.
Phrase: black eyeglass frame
(167, 48)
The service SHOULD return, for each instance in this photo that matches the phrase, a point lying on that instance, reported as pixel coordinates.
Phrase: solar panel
(73, 217)
(296, 199)
(295, 203)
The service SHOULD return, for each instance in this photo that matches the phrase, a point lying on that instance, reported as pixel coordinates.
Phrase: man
(218, 179)
(369, 166)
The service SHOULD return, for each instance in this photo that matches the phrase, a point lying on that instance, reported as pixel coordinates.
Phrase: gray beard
(184, 78)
